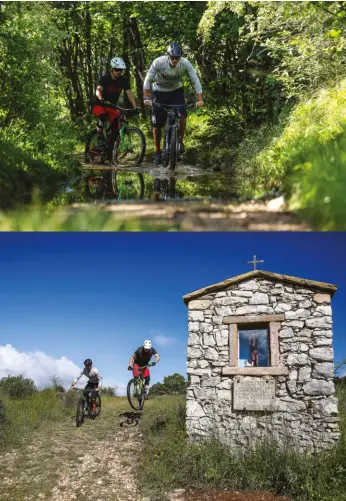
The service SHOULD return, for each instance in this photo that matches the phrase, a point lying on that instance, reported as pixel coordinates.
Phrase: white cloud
(163, 340)
(41, 367)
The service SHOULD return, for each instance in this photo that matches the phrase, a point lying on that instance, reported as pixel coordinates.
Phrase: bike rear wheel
(80, 412)
(130, 150)
(93, 153)
(135, 395)
(173, 148)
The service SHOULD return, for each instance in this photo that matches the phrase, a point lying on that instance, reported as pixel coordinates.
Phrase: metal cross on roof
(254, 262)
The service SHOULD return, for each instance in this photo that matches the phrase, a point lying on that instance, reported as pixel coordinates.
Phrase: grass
(305, 155)
(170, 461)
(22, 416)
(92, 219)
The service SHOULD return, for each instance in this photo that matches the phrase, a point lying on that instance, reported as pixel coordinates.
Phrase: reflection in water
(140, 183)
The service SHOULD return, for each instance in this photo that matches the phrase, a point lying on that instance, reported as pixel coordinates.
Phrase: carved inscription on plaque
(253, 395)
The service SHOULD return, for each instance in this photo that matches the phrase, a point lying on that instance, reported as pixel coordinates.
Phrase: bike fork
(168, 137)
(178, 137)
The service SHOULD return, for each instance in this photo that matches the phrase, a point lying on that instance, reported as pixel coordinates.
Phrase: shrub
(17, 386)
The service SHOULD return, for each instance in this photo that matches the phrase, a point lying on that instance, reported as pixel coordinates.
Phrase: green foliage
(22, 415)
(258, 62)
(56, 384)
(172, 385)
(171, 461)
(110, 391)
(21, 175)
(17, 386)
(310, 155)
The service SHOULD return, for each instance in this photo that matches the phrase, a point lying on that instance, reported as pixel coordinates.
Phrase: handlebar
(135, 111)
(142, 368)
(83, 389)
(188, 105)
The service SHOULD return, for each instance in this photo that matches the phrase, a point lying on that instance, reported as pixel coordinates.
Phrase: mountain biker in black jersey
(166, 74)
(141, 358)
(109, 88)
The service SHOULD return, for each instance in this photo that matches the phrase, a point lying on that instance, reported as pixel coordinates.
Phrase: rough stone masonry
(293, 398)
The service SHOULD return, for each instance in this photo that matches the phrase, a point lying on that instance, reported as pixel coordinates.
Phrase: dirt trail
(93, 463)
(190, 215)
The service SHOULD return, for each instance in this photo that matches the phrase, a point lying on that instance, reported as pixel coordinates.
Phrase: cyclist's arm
(99, 90)
(99, 381)
(132, 359)
(131, 98)
(195, 81)
(157, 356)
(77, 378)
(150, 77)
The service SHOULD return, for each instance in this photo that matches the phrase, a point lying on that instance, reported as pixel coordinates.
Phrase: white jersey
(167, 78)
(93, 376)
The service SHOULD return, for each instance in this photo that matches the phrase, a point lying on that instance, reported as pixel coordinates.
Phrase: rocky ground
(96, 462)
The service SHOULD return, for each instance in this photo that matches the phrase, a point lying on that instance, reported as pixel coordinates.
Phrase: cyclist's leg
(146, 375)
(112, 116)
(135, 371)
(89, 387)
(180, 99)
(86, 394)
(157, 189)
(158, 119)
(101, 114)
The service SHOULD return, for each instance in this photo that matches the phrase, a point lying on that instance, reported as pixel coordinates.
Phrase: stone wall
(305, 403)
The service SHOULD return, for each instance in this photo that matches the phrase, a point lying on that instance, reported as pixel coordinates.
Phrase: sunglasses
(175, 58)
(117, 69)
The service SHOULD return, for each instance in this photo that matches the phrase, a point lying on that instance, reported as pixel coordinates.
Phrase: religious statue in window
(253, 346)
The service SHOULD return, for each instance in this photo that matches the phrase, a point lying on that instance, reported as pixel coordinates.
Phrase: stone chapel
(260, 361)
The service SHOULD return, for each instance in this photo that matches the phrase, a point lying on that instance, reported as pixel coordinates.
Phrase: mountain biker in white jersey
(93, 375)
(166, 73)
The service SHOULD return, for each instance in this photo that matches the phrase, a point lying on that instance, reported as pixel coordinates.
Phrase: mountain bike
(89, 405)
(171, 151)
(129, 148)
(136, 390)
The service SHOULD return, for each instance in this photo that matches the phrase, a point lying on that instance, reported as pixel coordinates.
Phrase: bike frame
(92, 396)
(172, 121)
(122, 124)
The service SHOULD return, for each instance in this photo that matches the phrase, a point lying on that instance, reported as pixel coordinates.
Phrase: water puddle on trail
(146, 182)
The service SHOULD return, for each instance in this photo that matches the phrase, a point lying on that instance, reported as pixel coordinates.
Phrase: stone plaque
(253, 395)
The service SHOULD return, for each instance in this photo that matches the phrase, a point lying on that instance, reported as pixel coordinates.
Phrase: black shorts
(90, 386)
(159, 115)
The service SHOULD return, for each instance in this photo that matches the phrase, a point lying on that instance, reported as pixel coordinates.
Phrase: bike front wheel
(135, 395)
(98, 405)
(127, 185)
(173, 148)
(129, 148)
(80, 412)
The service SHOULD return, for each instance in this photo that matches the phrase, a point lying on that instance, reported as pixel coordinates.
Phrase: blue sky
(68, 296)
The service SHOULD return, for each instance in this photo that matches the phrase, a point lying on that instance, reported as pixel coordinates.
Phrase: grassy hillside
(170, 461)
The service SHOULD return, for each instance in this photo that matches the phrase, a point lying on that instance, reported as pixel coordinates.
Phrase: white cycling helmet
(118, 63)
(147, 344)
